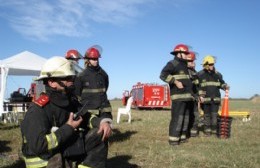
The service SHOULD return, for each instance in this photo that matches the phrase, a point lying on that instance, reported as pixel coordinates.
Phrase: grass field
(144, 143)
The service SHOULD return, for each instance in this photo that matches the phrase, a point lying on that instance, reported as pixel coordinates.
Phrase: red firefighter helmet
(191, 56)
(180, 48)
(93, 52)
(73, 55)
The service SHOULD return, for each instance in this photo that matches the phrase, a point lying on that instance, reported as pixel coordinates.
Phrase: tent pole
(4, 73)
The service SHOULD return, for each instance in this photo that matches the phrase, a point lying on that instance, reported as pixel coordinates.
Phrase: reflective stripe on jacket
(177, 70)
(210, 85)
(38, 139)
(91, 88)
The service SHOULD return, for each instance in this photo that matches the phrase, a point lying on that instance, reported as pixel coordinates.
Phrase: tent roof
(24, 63)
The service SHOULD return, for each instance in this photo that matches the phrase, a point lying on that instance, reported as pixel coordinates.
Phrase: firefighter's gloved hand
(197, 99)
(227, 87)
(54, 129)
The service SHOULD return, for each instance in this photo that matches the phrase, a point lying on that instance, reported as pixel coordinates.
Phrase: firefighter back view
(176, 74)
(51, 135)
(211, 81)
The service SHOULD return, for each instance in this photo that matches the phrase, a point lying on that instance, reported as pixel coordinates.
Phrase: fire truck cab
(149, 96)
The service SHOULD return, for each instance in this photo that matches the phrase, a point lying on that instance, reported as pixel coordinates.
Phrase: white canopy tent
(22, 64)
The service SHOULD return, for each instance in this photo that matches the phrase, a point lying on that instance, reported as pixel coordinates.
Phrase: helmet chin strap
(208, 69)
(61, 84)
(181, 57)
(89, 64)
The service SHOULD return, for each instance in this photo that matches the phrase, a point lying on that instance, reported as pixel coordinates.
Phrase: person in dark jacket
(52, 136)
(211, 81)
(194, 113)
(74, 56)
(176, 74)
(91, 88)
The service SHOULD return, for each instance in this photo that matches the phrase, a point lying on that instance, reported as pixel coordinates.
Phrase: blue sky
(137, 36)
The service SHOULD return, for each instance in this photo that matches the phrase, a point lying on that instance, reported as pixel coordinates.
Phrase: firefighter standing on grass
(176, 74)
(91, 88)
(211, 82)
(51, 135)
(194, 115)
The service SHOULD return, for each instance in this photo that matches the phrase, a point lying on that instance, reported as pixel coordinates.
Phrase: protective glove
(227, 87)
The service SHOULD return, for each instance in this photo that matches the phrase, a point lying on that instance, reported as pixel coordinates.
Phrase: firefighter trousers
(96, 151)
(194, 117)
(180, 112)
(58, 161)
(210, 117)
(95, 154)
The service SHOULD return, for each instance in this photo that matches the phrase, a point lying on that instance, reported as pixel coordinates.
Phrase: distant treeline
(256, 96)
(239, 98)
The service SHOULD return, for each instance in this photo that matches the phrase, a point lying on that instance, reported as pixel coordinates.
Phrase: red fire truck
(149, 96)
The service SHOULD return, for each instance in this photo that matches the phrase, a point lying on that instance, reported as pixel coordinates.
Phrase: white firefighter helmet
(56, 67)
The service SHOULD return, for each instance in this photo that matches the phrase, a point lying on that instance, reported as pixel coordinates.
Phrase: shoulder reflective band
(35, 162)
(52, 141)
(100, 90)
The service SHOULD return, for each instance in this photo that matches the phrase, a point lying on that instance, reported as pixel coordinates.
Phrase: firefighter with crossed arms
(176, 74)
(52, 137)
(91, 88)
(211, 81)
